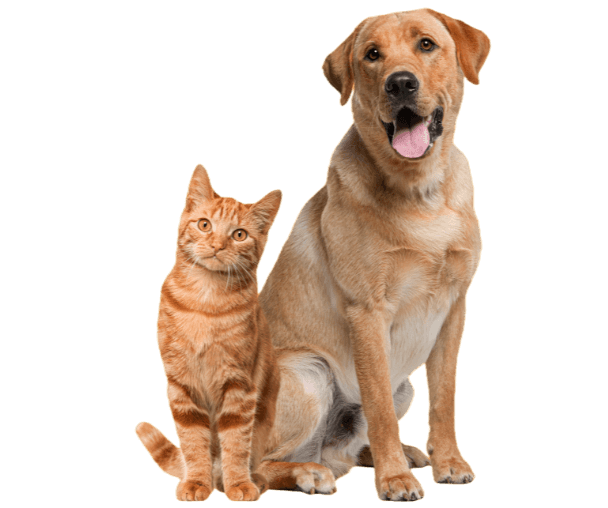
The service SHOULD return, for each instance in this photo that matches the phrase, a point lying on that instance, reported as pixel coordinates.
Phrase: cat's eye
(239, 235)
(204, 225)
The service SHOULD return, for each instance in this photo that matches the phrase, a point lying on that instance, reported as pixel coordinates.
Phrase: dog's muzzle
(412, 135)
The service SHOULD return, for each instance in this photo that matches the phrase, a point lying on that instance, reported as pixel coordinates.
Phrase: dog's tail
(164, 452)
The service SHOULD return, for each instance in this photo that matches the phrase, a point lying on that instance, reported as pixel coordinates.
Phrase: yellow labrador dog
(372, 281)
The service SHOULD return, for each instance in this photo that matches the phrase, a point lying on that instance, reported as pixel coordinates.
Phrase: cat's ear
(200, 189)
(265, 210)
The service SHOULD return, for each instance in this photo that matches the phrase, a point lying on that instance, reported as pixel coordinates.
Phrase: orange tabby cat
(214, 342)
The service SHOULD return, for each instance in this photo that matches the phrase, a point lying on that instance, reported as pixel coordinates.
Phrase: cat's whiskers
(200, 293)
(228, 278)
(190, 270)
(248, 275)
(237, 272)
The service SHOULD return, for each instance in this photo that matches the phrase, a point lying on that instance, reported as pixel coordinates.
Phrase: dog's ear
(472, 45)
(338, 66)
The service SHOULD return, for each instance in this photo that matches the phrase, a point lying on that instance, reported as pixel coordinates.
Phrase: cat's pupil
(239, 235)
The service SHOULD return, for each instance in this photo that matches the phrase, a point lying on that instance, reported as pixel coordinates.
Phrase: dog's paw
(193, 490)
(314, 478)
(246, 491)
(401, 487)
(415, 458)
(451, 470)
(260, 482)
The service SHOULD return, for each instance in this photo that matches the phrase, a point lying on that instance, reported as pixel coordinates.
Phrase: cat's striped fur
(221, 369)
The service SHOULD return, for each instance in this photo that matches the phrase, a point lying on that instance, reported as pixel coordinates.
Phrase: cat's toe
(193, 490)
(246, 491)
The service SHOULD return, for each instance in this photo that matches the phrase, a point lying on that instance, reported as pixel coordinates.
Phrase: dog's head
(407, 73)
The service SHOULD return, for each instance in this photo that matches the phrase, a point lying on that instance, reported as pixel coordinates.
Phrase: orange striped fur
(222, 373)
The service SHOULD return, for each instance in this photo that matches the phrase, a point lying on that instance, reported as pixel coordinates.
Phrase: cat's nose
(217, 246)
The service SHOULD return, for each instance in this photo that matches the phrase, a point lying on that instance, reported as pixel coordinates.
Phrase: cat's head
(221, 234)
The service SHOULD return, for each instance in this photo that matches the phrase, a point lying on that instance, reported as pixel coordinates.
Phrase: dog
(371, 283)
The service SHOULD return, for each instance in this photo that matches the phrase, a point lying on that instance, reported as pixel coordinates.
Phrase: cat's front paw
(193, 490)
(246, 491)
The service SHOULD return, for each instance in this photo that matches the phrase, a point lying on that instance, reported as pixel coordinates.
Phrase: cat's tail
(164, 452)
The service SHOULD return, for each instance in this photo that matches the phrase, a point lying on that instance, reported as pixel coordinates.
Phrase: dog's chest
(412, 335)
(425, 261)
(425, 279)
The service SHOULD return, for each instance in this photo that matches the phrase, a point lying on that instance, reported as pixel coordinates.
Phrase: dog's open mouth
(412, 135)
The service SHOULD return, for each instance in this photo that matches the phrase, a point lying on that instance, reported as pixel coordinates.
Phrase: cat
(222, 372)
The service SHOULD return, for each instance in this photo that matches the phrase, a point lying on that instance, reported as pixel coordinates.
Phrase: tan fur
(372, 280)
(374, 276)
(222, 372)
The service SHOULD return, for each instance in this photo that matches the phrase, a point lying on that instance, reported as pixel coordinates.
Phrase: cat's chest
(203, 320)
(203, 363)
(205, 348)
(213, 341)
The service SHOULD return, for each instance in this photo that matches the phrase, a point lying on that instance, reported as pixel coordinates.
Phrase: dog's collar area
(407, 120)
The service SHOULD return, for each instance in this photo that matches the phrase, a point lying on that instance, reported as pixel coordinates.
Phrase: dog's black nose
(401, 85)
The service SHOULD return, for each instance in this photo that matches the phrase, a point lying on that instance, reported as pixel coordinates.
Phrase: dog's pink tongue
(412, 143)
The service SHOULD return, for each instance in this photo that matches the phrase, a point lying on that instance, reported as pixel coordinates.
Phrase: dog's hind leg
(308, 477)
(415, 458)
(296, 439)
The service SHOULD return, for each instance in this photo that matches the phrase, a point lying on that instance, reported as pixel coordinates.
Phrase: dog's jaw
(406, 121)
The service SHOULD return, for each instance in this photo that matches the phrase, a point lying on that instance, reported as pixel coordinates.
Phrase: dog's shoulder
(458, 185)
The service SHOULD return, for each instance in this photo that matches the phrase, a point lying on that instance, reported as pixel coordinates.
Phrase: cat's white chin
(213, 264)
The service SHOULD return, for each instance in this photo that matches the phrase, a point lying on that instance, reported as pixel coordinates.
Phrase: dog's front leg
(448, 465)
(368, 331)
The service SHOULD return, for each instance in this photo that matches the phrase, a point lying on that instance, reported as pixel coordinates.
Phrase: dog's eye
(427, 45)
(372, 54)
(239, 235)
(204, 225)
